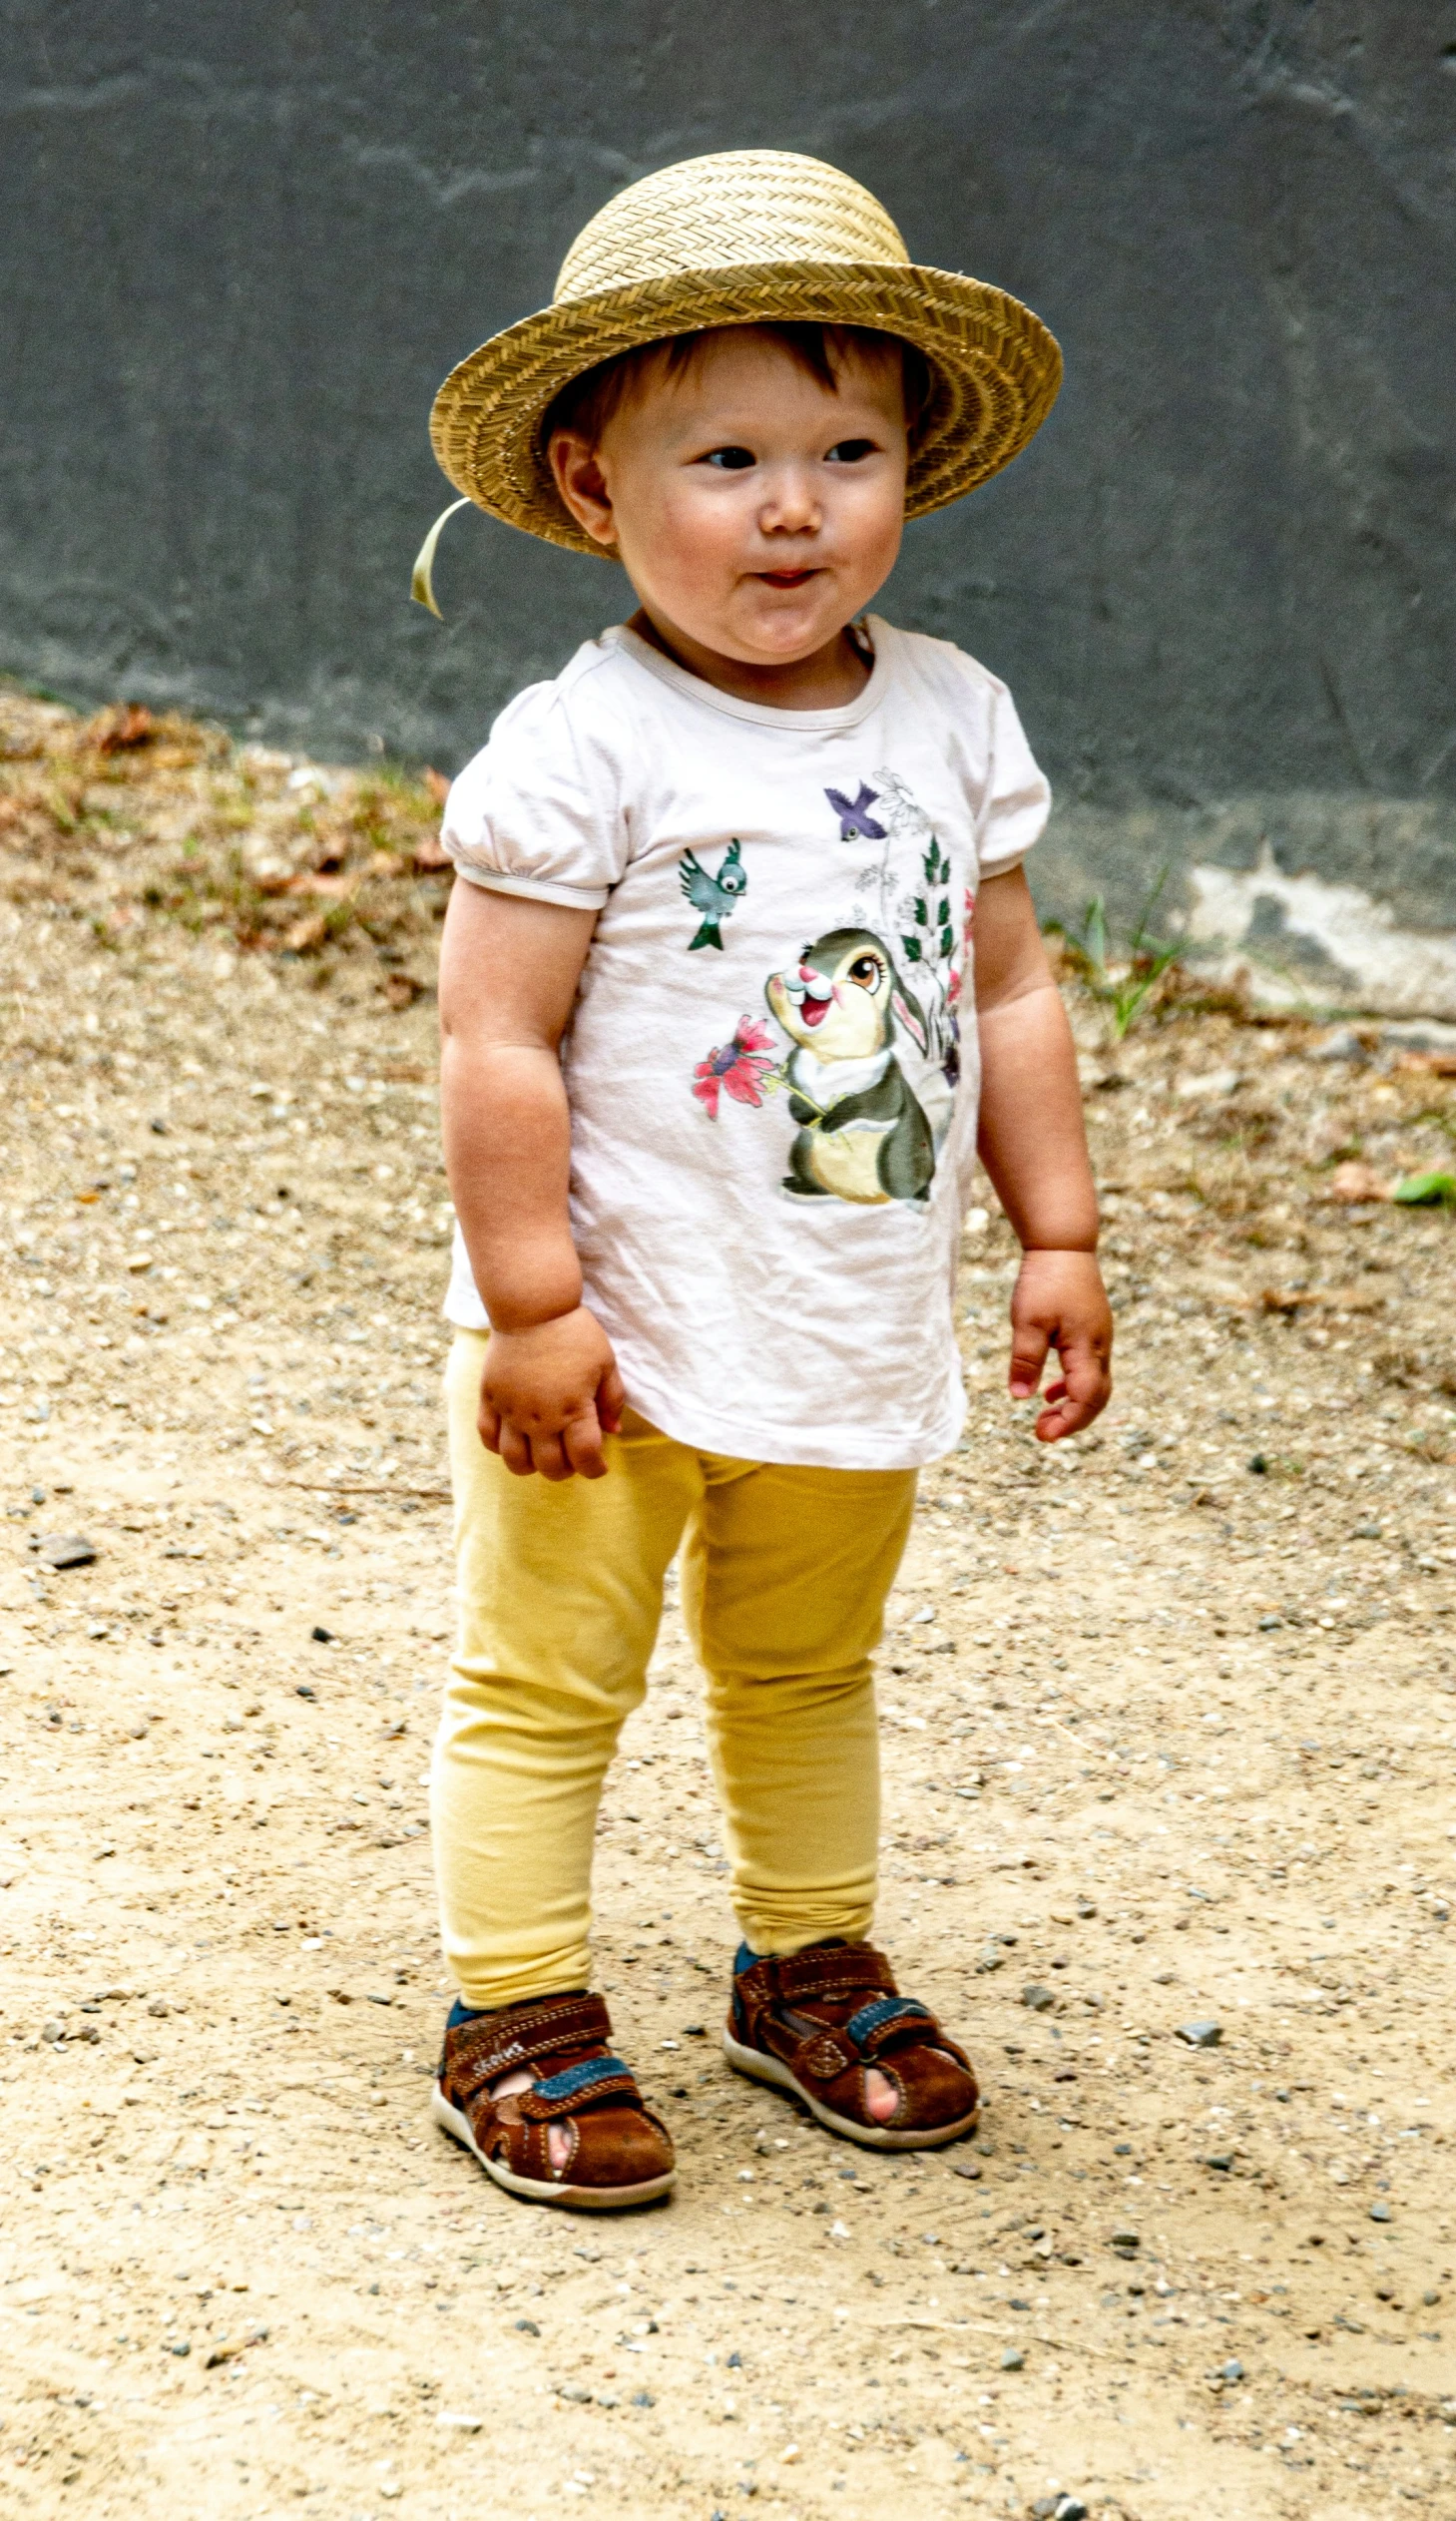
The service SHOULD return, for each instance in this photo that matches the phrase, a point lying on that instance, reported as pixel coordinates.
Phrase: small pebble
(1040, 1999)
(1013, 2360)
(1234, 2369)
(1342, 1044)
(67, 1549)
(459, 2424)
(528, 2327)
(1219, 2161)
(1201, 2034)
(323, 1636)
(1382, 2214)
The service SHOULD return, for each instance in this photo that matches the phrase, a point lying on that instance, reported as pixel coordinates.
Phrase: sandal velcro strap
(594, 2079)
(483, 2051)
(832, 1971)
(874, 2025)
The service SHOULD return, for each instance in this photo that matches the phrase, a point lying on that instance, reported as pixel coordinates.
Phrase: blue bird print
(855, 820)
(713, 895)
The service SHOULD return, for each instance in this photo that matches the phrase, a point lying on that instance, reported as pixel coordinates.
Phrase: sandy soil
(1169, 1724)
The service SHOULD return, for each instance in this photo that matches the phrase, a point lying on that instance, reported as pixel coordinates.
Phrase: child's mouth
(786, 577)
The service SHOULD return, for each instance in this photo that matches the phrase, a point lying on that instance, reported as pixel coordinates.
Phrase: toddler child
(718, 1046)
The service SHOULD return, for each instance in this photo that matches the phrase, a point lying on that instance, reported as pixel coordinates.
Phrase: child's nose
(790, 505)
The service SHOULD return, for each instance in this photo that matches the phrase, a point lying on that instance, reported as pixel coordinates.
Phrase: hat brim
(995, 371)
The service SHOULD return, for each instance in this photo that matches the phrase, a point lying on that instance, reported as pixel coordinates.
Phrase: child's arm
(509, 968)
(1033, 1146)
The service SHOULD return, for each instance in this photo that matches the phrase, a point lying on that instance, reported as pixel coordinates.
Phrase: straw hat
(751, 236)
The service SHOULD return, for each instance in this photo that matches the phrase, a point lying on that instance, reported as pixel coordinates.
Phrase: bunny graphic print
(772, 1066)
(864, 1047)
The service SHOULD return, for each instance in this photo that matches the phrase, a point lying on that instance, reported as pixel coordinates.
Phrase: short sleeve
(538, 810)
(1016, 799)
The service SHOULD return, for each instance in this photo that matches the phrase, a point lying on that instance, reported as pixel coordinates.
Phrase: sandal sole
(879, 2140)
(544, 2191)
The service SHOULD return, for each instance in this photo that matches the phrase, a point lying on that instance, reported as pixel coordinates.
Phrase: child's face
(754, 510)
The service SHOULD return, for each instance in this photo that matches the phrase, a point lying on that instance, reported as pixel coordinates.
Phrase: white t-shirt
(772, 1066)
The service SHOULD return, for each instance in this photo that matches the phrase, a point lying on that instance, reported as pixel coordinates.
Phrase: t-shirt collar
(789, 721)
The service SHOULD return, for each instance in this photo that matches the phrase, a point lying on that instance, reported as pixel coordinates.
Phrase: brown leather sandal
(620, 2155)
(815, 2022)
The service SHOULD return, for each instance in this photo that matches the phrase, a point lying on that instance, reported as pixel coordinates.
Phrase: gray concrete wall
(239, 246)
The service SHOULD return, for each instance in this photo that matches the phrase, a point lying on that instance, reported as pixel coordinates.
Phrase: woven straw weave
(746, 237)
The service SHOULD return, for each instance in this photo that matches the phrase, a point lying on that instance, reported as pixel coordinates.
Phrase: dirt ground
(1168, 1721)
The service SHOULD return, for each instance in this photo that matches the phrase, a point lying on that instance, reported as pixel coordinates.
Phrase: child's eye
(730, 459)
(850, 451)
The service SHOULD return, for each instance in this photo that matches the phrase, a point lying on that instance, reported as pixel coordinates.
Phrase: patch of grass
(125, 817)
(1121, 980)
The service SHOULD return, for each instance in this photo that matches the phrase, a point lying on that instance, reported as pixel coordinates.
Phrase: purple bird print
(855, 822)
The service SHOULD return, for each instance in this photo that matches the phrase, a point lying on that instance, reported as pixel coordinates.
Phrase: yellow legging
(785, 1576)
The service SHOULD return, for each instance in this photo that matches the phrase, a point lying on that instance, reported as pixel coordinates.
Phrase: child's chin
(783, 636)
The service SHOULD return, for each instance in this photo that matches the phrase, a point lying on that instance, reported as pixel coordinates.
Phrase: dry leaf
(322, 887)
(438, 786)
(1437, 1063)
(1333, 1299)
(430, 858)
(306, 934)
(119, 729)
(1352, 1183)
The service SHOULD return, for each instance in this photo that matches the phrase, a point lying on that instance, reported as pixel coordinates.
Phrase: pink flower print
(737, 1069)
(968, 921)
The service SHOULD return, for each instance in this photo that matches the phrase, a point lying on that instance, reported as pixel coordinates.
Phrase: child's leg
(786, 1574)
(560, 1598)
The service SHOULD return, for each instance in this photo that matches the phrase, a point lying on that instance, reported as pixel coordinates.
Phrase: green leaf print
(911, 945)
(922, 916)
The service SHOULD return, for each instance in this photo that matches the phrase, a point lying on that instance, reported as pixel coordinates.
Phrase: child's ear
(582, 487)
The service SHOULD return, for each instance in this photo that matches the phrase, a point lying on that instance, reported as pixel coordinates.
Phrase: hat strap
(421, 577)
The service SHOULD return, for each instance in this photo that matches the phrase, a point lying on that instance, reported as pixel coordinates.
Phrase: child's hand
(1060, 1303)
(549, 1394)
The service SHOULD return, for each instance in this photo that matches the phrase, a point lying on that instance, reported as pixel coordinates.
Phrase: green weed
(1122, 980)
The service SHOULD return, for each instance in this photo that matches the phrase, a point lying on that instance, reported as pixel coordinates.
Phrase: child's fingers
(1029, 1345)
(582, 1446)
(488, 1424)
(549, 1455)
(1079, 1395)
(515, 1450)
(610, 1400)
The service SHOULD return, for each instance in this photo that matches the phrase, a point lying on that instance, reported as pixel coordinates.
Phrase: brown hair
(590, 400)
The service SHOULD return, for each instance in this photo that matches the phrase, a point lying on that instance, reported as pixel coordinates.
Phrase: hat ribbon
(421, 577)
